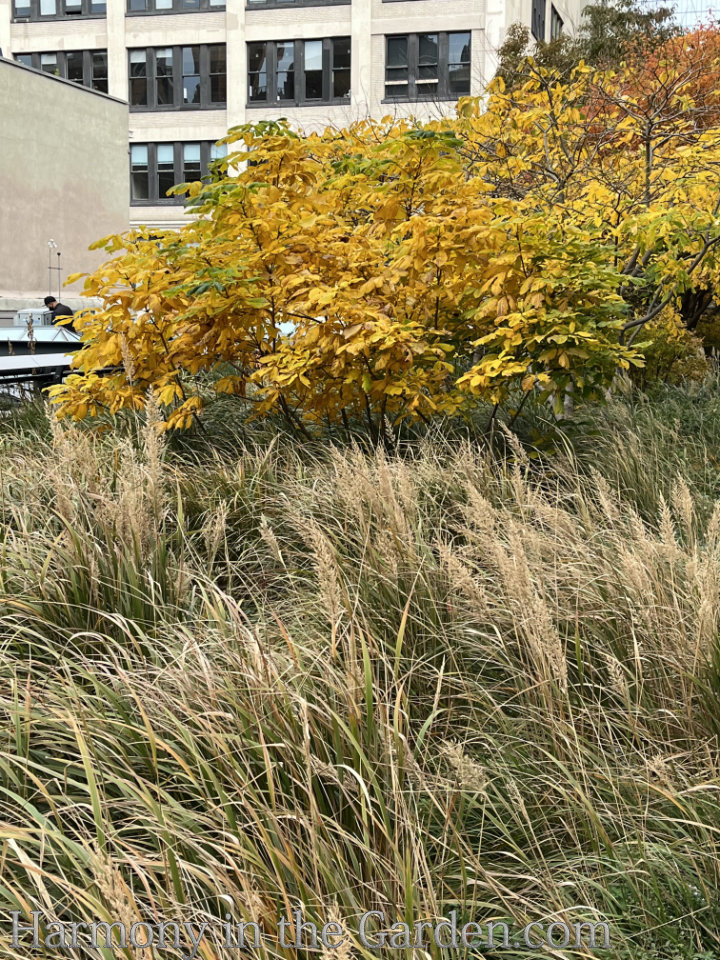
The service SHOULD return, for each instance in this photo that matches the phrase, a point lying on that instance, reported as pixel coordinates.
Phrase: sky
(690, 12)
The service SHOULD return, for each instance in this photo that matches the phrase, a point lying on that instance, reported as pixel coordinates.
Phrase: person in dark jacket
(58, 310)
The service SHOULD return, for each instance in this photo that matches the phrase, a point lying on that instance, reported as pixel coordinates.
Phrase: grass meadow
(239, 675)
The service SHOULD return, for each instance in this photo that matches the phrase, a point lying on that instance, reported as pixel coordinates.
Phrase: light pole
(59, 275)
(51, 246)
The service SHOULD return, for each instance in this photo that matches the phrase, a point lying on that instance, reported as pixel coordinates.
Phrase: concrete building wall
(64, 173)
(367, 22)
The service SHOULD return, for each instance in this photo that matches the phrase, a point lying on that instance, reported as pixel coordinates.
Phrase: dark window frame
(414, 83)
(280, 4)
(154, 199)
(86, 11)
(177, 6)
(556, 23)
(211, 74)
(537, 19)
(92, 69)
(62, 63)
(299, 99)
(178, 104)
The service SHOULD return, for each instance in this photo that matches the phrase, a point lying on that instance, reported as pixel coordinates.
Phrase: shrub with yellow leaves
(397, 270)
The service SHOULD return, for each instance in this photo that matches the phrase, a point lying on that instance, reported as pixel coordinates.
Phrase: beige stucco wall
(64, 176)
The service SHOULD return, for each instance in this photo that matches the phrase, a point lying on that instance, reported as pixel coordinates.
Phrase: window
(156, 167)
(556, 23)
(100, 70)
(341, 68)
(218, 73)
(173, 6)
(285, 73)
(177, 78)
(427, 75)
(164, 93)
(138, 95)
(397, 75)
(251, 4)
(458, 64)
(313, 69)
(49, 64)
(86, 67)
(257, 72)
(299, 72)
(537, 22)
(139, 173)
(57, 9)
(427, 66)
(74, 66)
(191, 165)
(166, 167)
(191, 74)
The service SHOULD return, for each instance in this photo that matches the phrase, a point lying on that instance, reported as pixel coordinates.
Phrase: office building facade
(190, 69)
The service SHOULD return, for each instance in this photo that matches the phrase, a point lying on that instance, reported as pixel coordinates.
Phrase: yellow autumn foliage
(401, 270)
